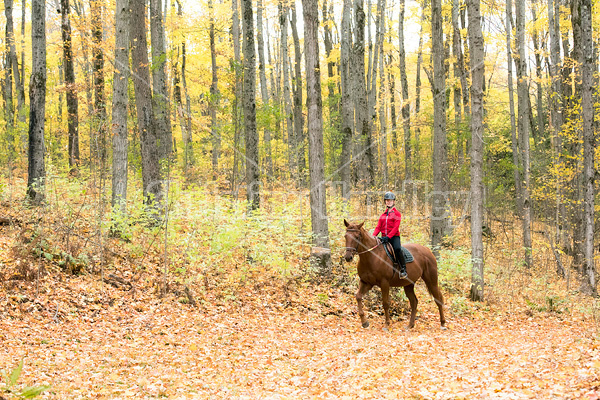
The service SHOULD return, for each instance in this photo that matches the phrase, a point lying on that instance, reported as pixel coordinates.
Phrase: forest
(176, 176)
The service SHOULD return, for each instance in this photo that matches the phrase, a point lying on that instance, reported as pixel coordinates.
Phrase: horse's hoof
(444, 327)
(365, 324)
(386, 329)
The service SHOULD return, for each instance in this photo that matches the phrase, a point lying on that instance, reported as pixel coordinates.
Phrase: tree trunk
(98, 73)
(237, 63)
(249, 100)
(513, 125)
(315, 123)
(71, 88)
(332, 100)
(538, 74)
(119, 110)
(12, 63)
(263, 88)
(363, 124)
(439, 217)
(292, 145)
(477, 77)
(589, 143)
(382, 116)
(160, 93)
(214, 96)
(347, 121)
(408, 166)
(418, 91)
(298, 117)
(523, 99)
(37, 99)
(458, 74)
(152, 178)
(7, 83)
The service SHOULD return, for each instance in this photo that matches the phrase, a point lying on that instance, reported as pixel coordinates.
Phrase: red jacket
(389, 223)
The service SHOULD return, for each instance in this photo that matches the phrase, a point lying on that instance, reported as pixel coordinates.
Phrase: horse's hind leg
(385, 296)
(434, 289)
(412, 298)
(363, 288)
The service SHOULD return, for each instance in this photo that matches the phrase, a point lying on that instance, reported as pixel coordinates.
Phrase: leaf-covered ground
(104, 343)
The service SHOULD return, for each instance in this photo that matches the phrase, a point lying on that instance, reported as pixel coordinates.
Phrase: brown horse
(375, 268)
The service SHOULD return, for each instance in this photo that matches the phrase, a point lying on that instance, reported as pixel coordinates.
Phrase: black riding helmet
(389, 196)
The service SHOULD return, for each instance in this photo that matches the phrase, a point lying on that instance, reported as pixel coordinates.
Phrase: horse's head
(353, 237)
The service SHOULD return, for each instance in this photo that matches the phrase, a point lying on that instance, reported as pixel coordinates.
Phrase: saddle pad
(408, 257)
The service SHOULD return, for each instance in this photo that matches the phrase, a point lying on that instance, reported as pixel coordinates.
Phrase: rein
(358, 239)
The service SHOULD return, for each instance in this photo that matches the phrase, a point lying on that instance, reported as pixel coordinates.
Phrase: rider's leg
(399, 255)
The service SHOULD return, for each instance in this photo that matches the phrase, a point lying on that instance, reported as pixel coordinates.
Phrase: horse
(375, 269)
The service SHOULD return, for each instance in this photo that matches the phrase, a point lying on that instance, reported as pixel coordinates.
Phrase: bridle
(353, 249)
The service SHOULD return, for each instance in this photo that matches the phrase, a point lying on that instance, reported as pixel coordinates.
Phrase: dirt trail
(166, 350)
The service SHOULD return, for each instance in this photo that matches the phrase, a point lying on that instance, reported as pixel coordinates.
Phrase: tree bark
(408, 163)
(71, 88)
(347, 121)
(363, 123)
(523, 124)
(440, 212)
(263, 88)
(12, 62)
(152, 178)
(37, 99)
(476, 44)
(119, 110)
(513, 124)
(538, 73)
(589, 143)
(98, 73)
(289, 122)
(237, 64)
(314, 105)
(214, 95)
(458, 68)
(249, 100)
(298, 117)
(418, 91)
(160, 93)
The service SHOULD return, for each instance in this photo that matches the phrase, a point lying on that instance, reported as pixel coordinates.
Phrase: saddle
(389, 250)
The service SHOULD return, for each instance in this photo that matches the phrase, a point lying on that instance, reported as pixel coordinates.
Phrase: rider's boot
(401, 263)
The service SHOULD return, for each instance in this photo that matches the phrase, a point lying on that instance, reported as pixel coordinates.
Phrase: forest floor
(90, 340)
(247, 329)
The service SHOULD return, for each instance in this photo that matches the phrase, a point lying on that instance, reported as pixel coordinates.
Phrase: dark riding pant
(397, 245)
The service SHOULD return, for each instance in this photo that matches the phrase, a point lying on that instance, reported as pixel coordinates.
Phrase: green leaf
(33, 391)
(14, 375)
(49, 256)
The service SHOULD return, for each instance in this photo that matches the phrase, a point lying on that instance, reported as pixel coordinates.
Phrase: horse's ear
(346, 223)
(361, 225)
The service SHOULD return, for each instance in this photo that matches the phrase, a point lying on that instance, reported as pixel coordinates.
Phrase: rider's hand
(385, 239)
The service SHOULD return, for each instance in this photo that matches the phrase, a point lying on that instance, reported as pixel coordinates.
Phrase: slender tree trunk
(589, 142)
(152, 178)
(315, 123)
(292, 145)
(71, 88)
(237, 63)
(555, 99)
(439, 218)
(119, 109)
(523, 99)
(538, 73)
(188, 142)
(214, 96)
(382, 117)
(249, 99)
(346, 100)
(392, 87)
(332, 100)
(160, 93)
(298, 117)
(405, 100)
(418, 91)
(513, 125)
(7, 83)
(263, 88)
(360, 92)
(458, 73)
(12, 62)
(98, 73)
(37, 99)
(477, 77)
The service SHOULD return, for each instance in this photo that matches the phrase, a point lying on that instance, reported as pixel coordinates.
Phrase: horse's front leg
(385, 296)
(363, 288)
